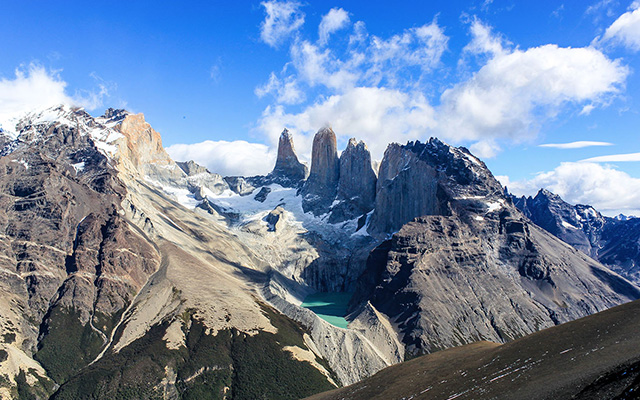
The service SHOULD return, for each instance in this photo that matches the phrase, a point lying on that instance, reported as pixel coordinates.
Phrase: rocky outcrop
(198, 178)
(549, 211)
(240, 185)
(445, 274)
(612, 241)
(288, 171)
(321, 186)
(274, 219)
(356, 185)
(422, 179)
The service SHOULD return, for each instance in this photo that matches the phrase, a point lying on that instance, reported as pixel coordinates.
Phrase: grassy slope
(230, 364)
(594, 357)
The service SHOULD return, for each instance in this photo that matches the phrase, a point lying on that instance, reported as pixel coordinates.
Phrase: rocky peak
(320, 189)
(144, 144)
(357, 183)
(429, 177)
(288, 170)
(191, 168)
(115, 114)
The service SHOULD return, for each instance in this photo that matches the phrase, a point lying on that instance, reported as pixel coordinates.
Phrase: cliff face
(422, 179)
(288, 171)
(356, 185)
(321, 186)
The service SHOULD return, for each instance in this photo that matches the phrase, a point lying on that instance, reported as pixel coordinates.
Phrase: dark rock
(614, 242)
(357, 183)
(321, 187)
(262, 194)
(423, 179)
(239, 185)
(288, 171)
(274, 219)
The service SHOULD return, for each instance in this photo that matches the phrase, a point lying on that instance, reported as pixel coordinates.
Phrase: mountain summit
(288, 169)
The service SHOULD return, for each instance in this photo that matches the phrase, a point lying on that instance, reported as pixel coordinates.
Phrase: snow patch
(79, 167)
(568, 225)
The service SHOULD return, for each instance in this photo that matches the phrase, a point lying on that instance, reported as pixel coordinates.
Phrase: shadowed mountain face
(612, 241)
(124, 273)
(597, 357)
(469, 266)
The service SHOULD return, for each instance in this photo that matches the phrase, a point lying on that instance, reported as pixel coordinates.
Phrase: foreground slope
(596, 357)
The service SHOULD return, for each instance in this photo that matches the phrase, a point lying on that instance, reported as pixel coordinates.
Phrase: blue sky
(220, 80)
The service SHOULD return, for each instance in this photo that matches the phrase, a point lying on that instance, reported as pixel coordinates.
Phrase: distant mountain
(596, 357)
(614, 242)
(125, 274)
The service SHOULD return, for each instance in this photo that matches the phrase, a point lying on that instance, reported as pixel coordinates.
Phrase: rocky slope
(614, 242)
(466, 264)
(597, 357)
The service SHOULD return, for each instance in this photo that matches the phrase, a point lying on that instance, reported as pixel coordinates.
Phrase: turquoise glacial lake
(331, 307)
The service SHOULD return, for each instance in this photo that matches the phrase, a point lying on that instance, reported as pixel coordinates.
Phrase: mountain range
(125, 274)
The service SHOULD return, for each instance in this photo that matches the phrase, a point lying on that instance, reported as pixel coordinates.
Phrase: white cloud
(626, 29)
(483, 41)
(333, 21)
(607, 189)
(34, 87)
(283, 18)
(575, 145)
(485, 149)
(227, 158)
(629, 157)
(375, 88)
(376, 115)
(285, 92)
(367, 60)
(516, 90)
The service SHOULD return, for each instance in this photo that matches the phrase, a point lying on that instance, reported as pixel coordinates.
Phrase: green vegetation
(9, 338)
(331, 307)
(263, 371)
(25, 391)
(68, 345)
(231, 365)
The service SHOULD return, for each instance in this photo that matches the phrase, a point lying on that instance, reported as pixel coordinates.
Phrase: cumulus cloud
(35, 87)
(485, 149)
(283, 18)
(629, 157)
(367, 60)
(227, 158)
(484, 41)
(32, 87)
(516, 90)
(575, 145)
(626, 29)
(333, 21)
(375, 115)
(285, 91)
(609, 190)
